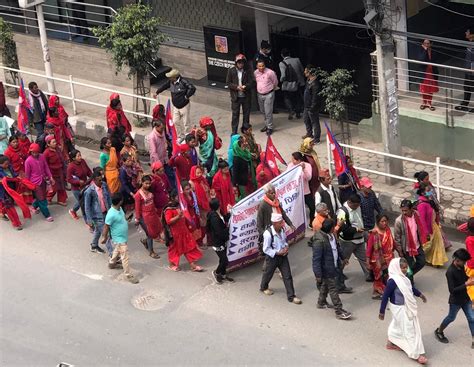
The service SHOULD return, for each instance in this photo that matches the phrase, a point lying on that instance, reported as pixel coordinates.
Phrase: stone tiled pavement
(90, 123)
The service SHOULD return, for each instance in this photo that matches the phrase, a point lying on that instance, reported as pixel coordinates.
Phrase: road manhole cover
(149, 301)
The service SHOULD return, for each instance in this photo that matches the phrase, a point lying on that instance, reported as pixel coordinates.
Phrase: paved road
(61, 303)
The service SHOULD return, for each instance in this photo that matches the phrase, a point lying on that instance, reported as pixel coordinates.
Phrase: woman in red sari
(160, 186)
(380, 246)
(191, 203)
(147, 216)
(57, 166)
(17, 157)
(429, 76)
(178, 238)
(59, 118)
(117, 123)
(263, 173)
(203, 195)
(222, 186)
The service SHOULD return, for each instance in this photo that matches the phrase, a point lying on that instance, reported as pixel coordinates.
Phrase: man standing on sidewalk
(240, 81)
(39, 106)
(267, 83)
(275, 248)
(117, 226)
(292, 79)
(181, 92)
(469, 76)
(312, 105)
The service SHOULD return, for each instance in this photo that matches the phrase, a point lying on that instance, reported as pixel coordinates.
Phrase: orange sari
(112, 172)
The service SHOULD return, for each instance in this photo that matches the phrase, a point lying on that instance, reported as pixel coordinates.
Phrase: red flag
(182, 201)
(23, 109)
(273, 150)
(171, 129)
(340, 163)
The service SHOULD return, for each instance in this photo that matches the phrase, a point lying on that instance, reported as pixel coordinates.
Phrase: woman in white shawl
(404, 331)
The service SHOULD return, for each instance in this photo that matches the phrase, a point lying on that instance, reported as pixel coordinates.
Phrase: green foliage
(8, 45)
(133, 39)
(336, 88)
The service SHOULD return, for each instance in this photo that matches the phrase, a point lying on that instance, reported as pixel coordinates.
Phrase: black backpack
(290, 73)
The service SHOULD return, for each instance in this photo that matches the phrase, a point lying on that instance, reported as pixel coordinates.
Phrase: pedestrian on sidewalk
(37, 171)
(458, 282)
(468, 76)
(380, 247)
(410, 235)
(297, 159)
(218, 237)
(369, 203)
(348, 181)
(39, 106)
(312, 105)
(292, 79)
(240, 81)
(57, 166)
(97, 202)
(404, 332)
(267, 84)
(326, 193)
(181, 92)
(116, 226)
(351, 234)
(265, 54)
(327, 261)
(275, 248)
(428, 75)
(434, 248)
(147, 216)
(178, 238)
(117, 123)
(79, 175)
(109, 162)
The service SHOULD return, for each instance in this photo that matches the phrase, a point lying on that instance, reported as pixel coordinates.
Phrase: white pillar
(44, 45)
(401, 45)
(261, 26)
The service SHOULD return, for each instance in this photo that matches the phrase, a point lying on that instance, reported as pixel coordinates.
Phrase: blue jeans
(453, 311)
(149, 240)
(76, 206)
(98, 227)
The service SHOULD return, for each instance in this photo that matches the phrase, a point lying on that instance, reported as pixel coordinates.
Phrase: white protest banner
(243, 244)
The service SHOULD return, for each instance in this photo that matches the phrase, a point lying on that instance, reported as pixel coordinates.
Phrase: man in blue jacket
(327, 257)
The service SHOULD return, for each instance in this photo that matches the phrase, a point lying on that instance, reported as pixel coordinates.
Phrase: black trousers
(223, 262)
(329, 286)
(309, 201)
(468, 88)
(235, 106)
(416, 263)
(311, 121)
(293, 102)
(282, 263)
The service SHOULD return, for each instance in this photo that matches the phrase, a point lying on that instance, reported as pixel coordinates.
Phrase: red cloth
(429, 85)
(470, 249)
(379, 254)
(78, 171)
(16, 159)
(23, 109)
(411, 245)
(201, 188)
(183, 164)
(195, 226)
(160, 187)
(354, 175)
(266, 177)
(116, 118)
(55, 162)
(222, 185)
(183, 242)
(17, 197)
(24, 146)
(145, 209)
(426, 212)
(208, 123)
(54, 102)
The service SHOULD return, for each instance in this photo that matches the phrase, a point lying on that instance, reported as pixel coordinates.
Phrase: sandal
(391, 346)
(197, 269)
(422, 360)
(154, 255)
(422, 107)
(173, 268)
(432, 108)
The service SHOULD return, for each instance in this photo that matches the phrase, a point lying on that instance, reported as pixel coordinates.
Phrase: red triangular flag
(271, 147)
(23, 109)
(171, 129)
(271, 163)
(182, 201)
(340, 163)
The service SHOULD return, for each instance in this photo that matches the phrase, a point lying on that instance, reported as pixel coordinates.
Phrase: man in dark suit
(240, 81)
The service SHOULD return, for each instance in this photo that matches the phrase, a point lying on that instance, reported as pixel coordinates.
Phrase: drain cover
(149, 301)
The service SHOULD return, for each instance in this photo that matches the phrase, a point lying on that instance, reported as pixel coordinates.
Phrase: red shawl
(54, 102)
(16, 159)
(116, 118)
(275, 203)
(201, 188)
(24, 147)
(18, 198)
(411, 245)
(224, 191)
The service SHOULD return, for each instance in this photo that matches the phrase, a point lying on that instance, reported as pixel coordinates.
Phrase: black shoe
(269, 132)
(440, 336)
(343, 315)
(325, 305)
(345, 290)
(462, 107)
(263, 129)
(298, 116)
(290, 117)
(228, 279)
(217, 277)
(97, 249)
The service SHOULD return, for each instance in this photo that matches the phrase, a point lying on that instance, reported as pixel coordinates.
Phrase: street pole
(44, 45)
(388, 98)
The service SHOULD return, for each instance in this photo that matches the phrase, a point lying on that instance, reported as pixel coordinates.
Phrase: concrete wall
(69, 58)
(190, 63)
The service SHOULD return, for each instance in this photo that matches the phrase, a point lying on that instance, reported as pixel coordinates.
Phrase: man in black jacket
(240, 81)
(312, 105)
(39, 107)
(458, 282)
(327, 258)
(219, 236)
(181, 91)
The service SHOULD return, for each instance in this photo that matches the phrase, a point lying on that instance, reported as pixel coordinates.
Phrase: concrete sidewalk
(90, 123)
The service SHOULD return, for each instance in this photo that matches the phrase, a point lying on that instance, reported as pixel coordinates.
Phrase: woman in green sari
(243, 169)
(207, 152)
